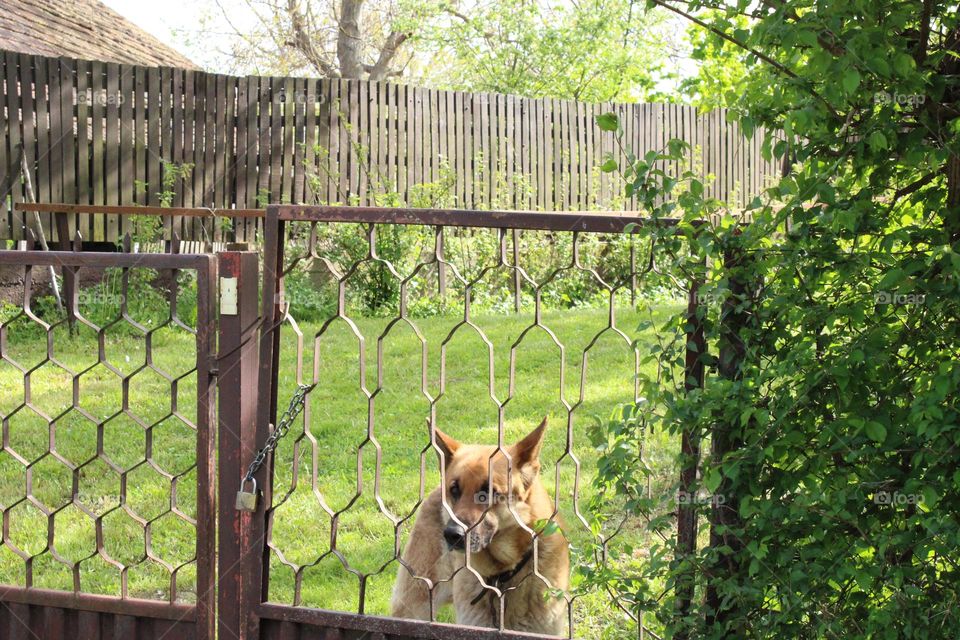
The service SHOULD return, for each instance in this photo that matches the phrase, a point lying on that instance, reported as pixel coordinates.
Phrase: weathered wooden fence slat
(106, 134)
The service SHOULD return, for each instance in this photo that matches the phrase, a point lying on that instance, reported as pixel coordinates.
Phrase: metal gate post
(254, 564)
(206, 447)
(238, 398)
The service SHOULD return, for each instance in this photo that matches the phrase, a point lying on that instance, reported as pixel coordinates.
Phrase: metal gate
(234, 592)
(292, 234)
(86, 463)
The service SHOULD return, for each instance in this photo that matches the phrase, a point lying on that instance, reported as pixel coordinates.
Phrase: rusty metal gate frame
(252, 555)
(246, 370)
(45, 613)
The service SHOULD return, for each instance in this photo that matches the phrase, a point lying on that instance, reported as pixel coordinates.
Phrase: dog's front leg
(478, 613)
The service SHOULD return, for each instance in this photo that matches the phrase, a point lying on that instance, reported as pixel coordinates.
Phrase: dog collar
(503, 577)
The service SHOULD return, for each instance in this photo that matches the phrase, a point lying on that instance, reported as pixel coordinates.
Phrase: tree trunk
(952, 214)
(349, 42)
(687, 508)
(725, 519)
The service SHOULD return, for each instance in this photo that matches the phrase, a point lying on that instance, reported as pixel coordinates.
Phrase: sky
(176, 22)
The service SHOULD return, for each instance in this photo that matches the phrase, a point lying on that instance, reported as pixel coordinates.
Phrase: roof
(81, 29)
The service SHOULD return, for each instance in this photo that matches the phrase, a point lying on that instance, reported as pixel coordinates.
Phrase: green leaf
(712, 479)
(608, 121)
(609, 165)
(851, 80)
(808, 38)
(891, 279)
(875, 431)
(903, 64)
(877, 141)
(547, 527)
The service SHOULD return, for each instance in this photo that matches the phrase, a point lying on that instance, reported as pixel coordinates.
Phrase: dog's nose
(454, 534)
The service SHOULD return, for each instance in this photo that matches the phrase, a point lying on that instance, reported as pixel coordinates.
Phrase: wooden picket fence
(105, 134)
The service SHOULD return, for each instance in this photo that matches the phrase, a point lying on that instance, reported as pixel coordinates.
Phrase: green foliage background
(830, 472)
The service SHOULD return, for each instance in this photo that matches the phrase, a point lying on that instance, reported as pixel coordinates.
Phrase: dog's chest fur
(527, 604)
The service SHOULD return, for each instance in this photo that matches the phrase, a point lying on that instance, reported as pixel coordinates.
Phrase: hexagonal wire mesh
(105, 482)
(452, 309)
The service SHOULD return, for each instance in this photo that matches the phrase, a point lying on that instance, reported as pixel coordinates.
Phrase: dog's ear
(448, 446)
(526, 453)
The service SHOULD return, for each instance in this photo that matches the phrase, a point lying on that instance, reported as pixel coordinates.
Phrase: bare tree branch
(302, 41)
(381, 68)
(333, 38)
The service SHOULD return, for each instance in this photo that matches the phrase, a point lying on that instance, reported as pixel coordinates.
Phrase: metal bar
(99, 603)
(441, 266)
(48, 207)
(254, 572)
(588, 221)
(597, 221)
(366, 624)
(571, 221)
(237, 383)
(206, 450)
(95, 260)
(278, 311)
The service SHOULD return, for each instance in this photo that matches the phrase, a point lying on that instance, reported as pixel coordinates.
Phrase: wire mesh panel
(106, 459)
(456, 369)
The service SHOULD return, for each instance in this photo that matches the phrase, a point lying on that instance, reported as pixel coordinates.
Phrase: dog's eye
(455, 490)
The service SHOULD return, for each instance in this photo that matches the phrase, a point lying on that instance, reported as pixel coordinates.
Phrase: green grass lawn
(347, 403)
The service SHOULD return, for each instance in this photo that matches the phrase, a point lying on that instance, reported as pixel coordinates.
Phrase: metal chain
(283, 426)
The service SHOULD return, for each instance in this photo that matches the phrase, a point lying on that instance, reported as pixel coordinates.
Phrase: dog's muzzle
(455, 535)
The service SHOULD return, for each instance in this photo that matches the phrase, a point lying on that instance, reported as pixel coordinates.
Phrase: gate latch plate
(228, 296)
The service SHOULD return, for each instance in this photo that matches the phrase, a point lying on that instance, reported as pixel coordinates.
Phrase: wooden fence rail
(100, 133)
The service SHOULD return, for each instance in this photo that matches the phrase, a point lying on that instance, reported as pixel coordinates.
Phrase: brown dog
(477, 536)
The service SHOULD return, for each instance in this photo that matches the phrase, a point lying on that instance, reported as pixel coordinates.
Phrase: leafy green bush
(828, 501)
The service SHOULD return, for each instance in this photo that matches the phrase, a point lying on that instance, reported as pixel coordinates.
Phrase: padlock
(247, 500)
